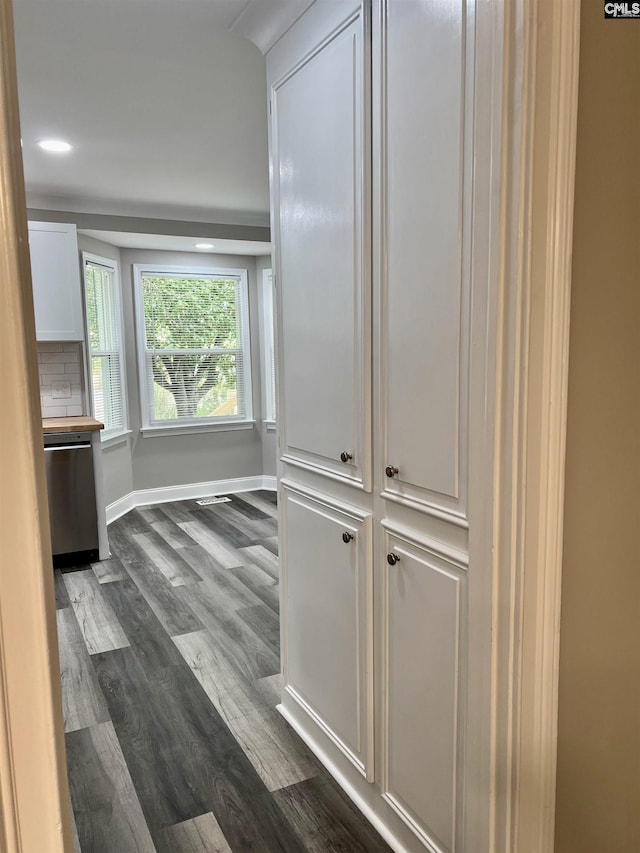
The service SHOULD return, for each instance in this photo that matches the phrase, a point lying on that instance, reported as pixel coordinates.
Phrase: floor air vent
(208, 501)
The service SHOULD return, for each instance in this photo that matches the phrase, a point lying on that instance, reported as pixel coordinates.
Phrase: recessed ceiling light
(59, 146)
(205, 246)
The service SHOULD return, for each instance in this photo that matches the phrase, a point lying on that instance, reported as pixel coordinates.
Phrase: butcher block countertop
(77, 424)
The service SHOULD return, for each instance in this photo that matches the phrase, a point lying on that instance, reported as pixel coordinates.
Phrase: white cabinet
(326, 618)
(319, 139)
(372, 183)
(423, 686)
(420, 146)
(55, 273)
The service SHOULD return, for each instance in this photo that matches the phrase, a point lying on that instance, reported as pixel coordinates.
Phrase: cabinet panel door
(327, 629)
(424, 292)
(423, 622)
(55, 273)
(321, 228)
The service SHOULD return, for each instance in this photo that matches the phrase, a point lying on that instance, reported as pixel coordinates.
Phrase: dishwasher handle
(67, 447)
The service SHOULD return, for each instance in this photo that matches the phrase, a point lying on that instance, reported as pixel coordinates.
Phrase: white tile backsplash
(54, 412)
(50, 378)
(49, 357)
(51, 348)
(61, 363)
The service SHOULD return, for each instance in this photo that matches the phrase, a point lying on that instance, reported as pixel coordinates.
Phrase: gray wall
(144, 225)
(268, 436)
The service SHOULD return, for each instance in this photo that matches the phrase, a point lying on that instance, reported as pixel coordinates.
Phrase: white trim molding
(121, 507)
(114, 267)
(268, 355)
(541, 74)
(114, 441)
(187, 491)
(194, 429)
(186, 425)
(353, 792)
(264, 23)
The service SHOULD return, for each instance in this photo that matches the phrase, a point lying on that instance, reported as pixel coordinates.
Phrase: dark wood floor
(170, 675)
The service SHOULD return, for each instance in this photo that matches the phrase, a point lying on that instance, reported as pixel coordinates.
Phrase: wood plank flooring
(170, 665)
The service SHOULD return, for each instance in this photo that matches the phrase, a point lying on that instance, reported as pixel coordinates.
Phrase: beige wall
(598, 792)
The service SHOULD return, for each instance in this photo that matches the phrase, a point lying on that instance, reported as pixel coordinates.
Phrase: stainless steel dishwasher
(72, 495)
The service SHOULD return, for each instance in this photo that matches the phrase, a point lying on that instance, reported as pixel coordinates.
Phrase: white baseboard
(350, 790)
(121, 507)
(187, 491)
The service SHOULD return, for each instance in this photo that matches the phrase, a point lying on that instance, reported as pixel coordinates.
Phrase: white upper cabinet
(55, 273)
(421, 64)
(319, 145)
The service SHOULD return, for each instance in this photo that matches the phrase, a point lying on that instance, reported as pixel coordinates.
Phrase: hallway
(170, 659)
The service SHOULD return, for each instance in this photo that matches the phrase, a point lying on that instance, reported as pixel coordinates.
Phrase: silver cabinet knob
(390, 471)
(346, 457)
(347, 537)
(392, 559)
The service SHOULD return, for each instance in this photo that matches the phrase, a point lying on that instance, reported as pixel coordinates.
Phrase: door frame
(34, 797)
(537, 43)
(541, 65)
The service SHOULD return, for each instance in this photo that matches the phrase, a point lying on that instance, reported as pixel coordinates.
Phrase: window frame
(268, 346)
(185, 426)
(107, 436)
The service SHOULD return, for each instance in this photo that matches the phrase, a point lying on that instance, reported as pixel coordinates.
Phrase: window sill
(270, 426)
(195, 429)
(115, 440)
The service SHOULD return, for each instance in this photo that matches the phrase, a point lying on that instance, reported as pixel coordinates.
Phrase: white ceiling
(169, 243)
(165, 108)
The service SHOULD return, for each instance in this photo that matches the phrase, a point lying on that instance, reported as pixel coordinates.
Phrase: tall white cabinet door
(422, 677)
(424, 288)
(55, 273)
(321, 225)
(326, 623)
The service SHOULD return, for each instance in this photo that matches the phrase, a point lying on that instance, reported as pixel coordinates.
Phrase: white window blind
(104, 335)
(194, 348)
(269, 354)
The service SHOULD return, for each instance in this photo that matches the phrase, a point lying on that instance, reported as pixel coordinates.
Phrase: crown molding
(264, 21)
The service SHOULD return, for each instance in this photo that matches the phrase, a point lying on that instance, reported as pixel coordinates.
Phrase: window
(104, 336)
(193, 342)
(269, 348)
